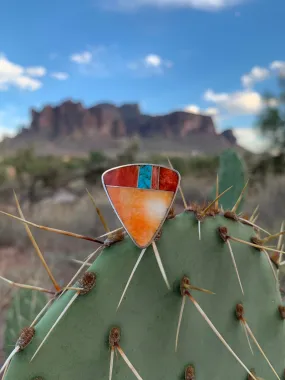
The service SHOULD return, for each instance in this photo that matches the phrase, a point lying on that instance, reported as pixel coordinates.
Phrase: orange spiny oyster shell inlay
(141, 196)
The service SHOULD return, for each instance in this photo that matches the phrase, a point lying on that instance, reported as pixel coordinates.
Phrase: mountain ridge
(104, 125)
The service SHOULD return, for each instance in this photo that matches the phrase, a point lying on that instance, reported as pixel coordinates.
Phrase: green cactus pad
(25, 306)
(231, 173)
(78, 347)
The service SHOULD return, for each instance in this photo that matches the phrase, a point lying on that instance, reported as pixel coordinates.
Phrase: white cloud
(236, 103)
(208, 5)
(13, 75)
(257, 74)
(105, 61)
(151, 64)
(7, 132)
(59, 75)
(278, 66)
(36, 71)
(192, 108)
(10, 121)
(271, 102)
(82, 58)
(153, 60)
(210, 111)
(101, 61)
(251, 139)
(246, 101)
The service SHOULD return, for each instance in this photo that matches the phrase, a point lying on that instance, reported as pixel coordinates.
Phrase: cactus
(25, 306)
(231, 173)
(224, 305)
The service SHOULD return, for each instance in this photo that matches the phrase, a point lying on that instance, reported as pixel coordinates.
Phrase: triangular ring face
(141, 195)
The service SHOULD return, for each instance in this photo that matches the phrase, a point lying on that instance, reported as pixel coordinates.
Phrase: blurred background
(85, 86)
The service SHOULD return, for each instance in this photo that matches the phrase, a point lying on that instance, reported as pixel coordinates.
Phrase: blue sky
(210, 56)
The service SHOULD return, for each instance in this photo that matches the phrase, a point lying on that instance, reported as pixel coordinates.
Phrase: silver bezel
(162, 222)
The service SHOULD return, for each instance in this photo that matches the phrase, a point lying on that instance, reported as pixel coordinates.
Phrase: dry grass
(271, 201)
(79, 216)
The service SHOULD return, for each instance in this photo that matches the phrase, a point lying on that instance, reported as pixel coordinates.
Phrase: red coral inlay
(125, 176)
(168, 180)
(155, 178)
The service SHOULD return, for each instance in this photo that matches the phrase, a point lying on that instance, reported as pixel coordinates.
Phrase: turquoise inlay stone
(145, 173)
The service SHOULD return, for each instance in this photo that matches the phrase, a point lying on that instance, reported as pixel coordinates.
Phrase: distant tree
(271, 123)
(97, 158)
(272, 119)
(33, 172)
(96, 164)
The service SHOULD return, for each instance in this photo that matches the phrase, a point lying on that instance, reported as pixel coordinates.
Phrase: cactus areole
(222, 306)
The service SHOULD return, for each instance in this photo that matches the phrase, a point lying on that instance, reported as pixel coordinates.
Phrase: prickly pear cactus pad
(148, 317)
(221, 319)
(25, 306)
(231, 173)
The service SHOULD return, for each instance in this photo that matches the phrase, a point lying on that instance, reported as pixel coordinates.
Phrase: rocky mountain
(71, 118)
(229, 135)
(102, 125)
